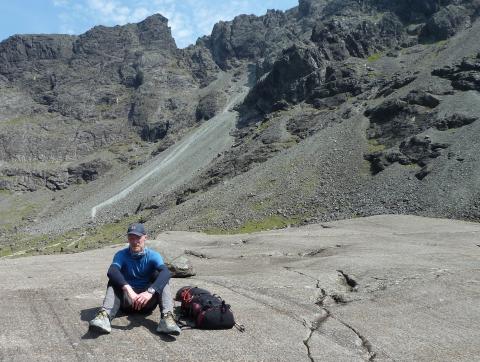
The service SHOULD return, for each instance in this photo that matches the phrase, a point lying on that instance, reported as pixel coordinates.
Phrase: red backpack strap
(186, 295)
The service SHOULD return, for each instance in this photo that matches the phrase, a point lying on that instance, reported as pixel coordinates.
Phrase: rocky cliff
(355, 107)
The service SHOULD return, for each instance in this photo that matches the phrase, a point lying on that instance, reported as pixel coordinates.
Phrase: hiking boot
(168, 325)
(101, 322)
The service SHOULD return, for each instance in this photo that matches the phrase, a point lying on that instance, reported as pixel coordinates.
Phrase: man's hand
(130, 292)
(141, 300)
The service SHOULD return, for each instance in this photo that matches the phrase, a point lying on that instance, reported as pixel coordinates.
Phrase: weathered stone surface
(24, 179)
(248, 37)
(464, 76)
(180, 267)
(299, 143)
(339, 38)
(397, 120)
(378, 288)
(445, 23)
(210, 104)
(422, 98)
(287, 79)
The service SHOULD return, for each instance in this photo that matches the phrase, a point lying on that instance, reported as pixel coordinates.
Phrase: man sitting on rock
(138, 281)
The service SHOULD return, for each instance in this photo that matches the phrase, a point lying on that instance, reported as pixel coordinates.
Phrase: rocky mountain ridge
(401, 78)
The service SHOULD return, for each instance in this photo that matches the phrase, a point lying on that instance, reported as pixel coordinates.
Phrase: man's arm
(158, 285)
(116, 277)
(162, 278)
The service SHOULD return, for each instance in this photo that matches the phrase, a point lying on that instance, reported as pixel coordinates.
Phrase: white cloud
(139, 14)
(60, 3)
(188, 19)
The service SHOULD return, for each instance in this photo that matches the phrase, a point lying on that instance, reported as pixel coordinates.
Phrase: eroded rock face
(393, 125)
(66, 97)
(286, 81)
(209, 105)
(338, 38)
(312, 72)
(445, 23)
(311, 69)
(22, 179)
(464, 76)
(248, 37)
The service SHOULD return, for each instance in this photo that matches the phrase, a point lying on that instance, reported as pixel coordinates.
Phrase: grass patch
(411, 165)
(375, 146)
(14, 216)
(268, 223)
(374, 57)
(365, 169)
(103, 107)
(290, 143)
(262, 205)
(17, 121)
(69, 242)
(209, 215)
(264, 125)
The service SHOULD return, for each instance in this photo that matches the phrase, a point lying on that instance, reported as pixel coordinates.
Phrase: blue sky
(189, 19)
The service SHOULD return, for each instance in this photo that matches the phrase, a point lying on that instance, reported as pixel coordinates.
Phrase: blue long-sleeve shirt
(137, 271)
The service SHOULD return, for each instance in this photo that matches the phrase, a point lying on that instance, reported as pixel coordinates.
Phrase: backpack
(207, 310)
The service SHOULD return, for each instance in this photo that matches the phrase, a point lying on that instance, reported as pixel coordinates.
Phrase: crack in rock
(365, 342)
(321, 299)
(196, 253)
(314, 327)
(311, 253)
(315, 324)
(307, 341)
(299, 272)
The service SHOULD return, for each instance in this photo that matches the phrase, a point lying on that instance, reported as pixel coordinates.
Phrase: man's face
(137, 243)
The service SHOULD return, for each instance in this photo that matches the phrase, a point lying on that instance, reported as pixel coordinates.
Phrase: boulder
(445, 23)
(180, 267)
(87, 171)
(464, 76)
(209, 105)
(422, 98)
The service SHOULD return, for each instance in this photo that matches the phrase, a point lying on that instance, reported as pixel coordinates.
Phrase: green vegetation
(69, 242)
(365, 169)
(210, 214)
(374, 57)
(411, 165)
(268, 223)
(103, 107)
(264, 125)
(309, 185)
(293, 141)
(263, 205)
(13, 216)
(5, 192)
(375, 146)
(17, 121)
(440, 46)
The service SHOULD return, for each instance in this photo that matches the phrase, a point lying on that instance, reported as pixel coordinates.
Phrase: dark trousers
(116, 298)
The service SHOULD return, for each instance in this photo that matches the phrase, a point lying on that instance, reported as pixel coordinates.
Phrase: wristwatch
(151, 290)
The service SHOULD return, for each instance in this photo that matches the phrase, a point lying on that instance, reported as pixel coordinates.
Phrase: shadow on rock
(87, 315)
(91, 334)
(135, 319)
